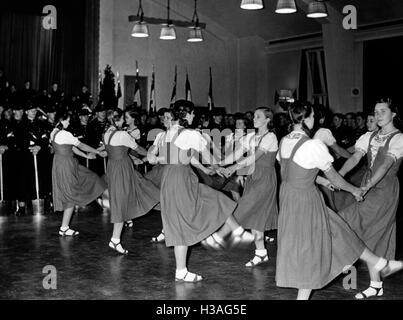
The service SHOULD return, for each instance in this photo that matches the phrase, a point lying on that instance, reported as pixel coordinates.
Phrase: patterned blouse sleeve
(362, 143)
(396, 147)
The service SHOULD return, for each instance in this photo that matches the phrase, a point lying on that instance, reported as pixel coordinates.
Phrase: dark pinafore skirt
(257, 208)
(191, 211)
(72, 184)
(131, 195)
(314, 244)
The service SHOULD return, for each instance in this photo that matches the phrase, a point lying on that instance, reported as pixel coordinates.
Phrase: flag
(137, 97)
(210, 93)
(173, 96)
(119, 93)
(152, 105)
(188, 90)
(276, 96)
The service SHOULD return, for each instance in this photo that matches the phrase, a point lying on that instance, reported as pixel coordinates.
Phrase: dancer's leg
(182, 274)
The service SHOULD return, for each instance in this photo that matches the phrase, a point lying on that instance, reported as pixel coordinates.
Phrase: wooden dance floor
(88, 269)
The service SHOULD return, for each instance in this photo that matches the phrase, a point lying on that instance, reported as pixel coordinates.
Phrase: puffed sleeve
(326, 136)
(136, 134)
(65, 137)
(247, 142)
(396, 146)
(314, 154)
(191, 139)
(127, 140)
(269, 143)
(158, 138)
(362, 143)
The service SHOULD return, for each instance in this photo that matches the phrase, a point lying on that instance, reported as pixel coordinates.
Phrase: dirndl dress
(72, 184)
(374, 219)
(314, 244)
(131, 195)
(190, 211)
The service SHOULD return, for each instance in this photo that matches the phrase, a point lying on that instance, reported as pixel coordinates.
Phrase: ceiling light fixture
(168, 31)
(317, 9)
(286, 7)
(252, 4)
(140, 29)
(195, 33)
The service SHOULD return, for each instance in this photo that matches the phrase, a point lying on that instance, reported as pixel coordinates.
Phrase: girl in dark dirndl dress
(72, 184)
(257, 208)
(315, 244)
(190, 210)
(374, 219)
(131, 195)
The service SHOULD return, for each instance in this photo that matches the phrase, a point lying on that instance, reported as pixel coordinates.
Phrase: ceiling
(268, 25)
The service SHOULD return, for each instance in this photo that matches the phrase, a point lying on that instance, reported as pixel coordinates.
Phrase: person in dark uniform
(95, 131)
(55, 95)
(80, 131)
(5, 127)
(85, 96)
(46, 156)
(27, 93)
(24, 143)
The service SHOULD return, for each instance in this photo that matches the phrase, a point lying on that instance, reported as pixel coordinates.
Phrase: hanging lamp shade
(317, 9)
(168, 33)
(286, 6)
(252, 4)
(140, 30)
(195, 35)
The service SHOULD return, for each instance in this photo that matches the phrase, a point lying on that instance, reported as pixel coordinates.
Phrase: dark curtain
(67, 55)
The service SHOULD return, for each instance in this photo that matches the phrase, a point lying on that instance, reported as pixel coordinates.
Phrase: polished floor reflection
(86, 268)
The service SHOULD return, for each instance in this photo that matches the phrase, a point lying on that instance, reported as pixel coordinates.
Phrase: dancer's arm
(351, 163)
(82, 154)
(87, 148)
(340, 151)
(196, 163)
(324, 182)
(245, 162)
(337, 180)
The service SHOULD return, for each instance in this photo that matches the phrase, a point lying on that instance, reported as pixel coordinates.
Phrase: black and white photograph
(201, 155)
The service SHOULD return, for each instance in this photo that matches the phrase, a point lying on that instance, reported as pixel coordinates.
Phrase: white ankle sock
(376, 284)
(64, 228)
(180, 274)
(261, 252)
(380, 264)
(238, 231)
(115, 240)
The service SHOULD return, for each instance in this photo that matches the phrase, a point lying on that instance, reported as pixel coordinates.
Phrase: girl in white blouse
(72, 183)
(374, 219)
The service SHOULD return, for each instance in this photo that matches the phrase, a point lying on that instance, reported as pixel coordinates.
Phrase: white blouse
(120, 138)
(267, 144)
(312, 154)
(191, 139)
(395, 145)
(135, 133)
(64, 137)
(326, 136)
